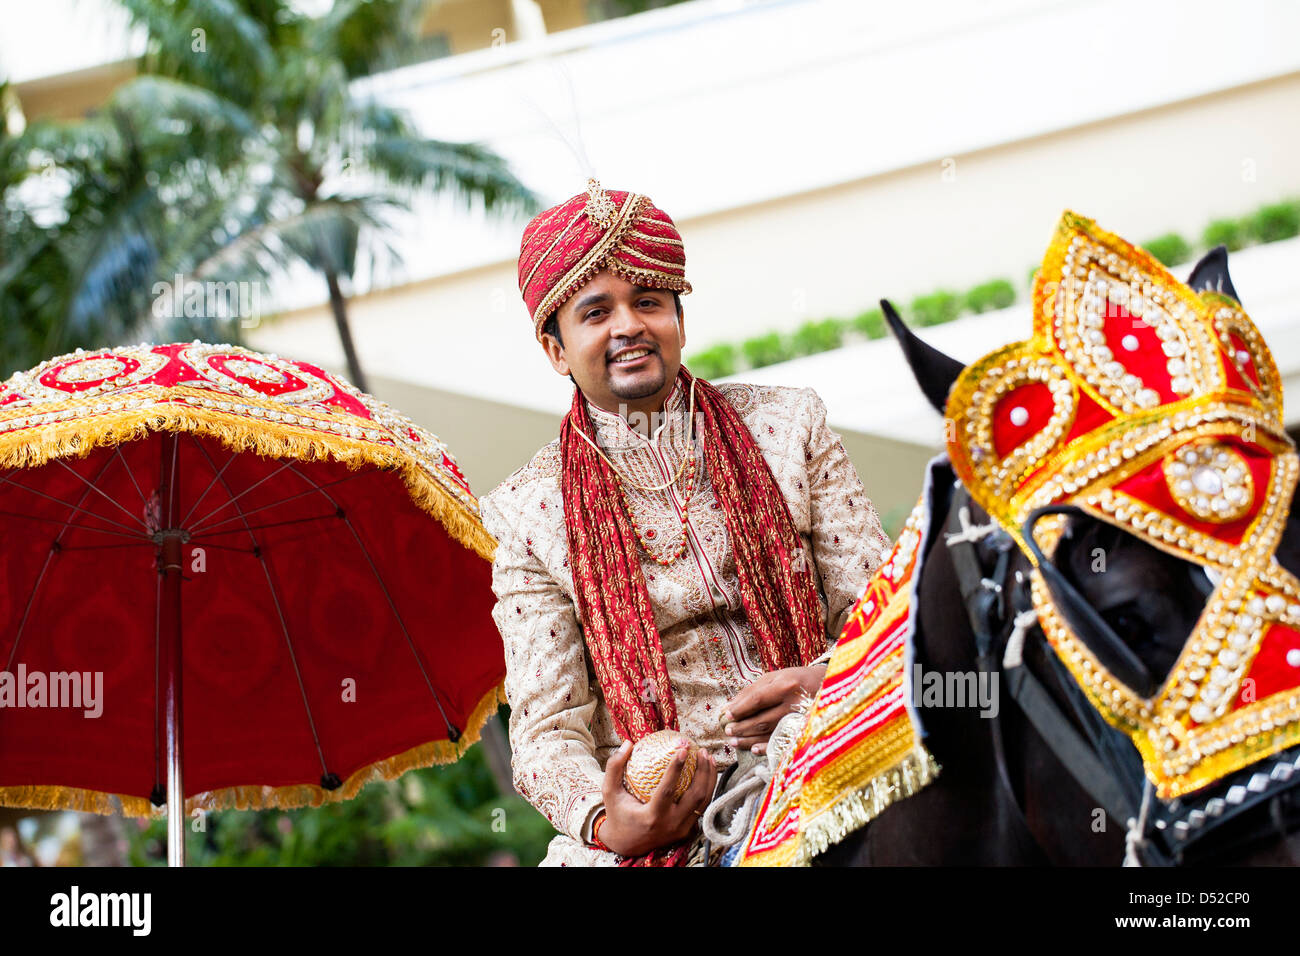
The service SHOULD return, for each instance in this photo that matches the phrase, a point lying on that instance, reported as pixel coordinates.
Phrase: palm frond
(73, 147)
(367, 36)
(469, 172)
(216, 44)
(311, 104)
(212, 164)
(164, 98)
(174, 122)
(322, 234)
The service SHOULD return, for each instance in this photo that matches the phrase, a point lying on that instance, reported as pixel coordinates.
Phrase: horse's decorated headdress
(1159, 410)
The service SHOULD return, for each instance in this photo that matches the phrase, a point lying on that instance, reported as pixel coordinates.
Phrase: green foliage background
(451, 815)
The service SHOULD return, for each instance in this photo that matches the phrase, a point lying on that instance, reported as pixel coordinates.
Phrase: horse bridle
(1101, 759)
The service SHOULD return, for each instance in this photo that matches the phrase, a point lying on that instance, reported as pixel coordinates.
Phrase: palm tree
(323, 167)
(95, 209)
(241, 149)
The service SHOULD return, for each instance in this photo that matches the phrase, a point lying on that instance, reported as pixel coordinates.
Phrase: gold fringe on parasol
(30, 447)
(257, 797)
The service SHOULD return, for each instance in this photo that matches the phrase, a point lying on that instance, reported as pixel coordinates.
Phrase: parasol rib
(117, 450)
(235, 497)
(105, 547)
(453, 730)
(31, 599)
(99, 491)
(82, 527)
(270, 524)
(215, 478)
(275, 598)
(223, 547)
(55, 546)
(281, 501)
(157, 795)
(93, 514)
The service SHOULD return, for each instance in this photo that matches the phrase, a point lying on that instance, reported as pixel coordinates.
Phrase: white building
(818, 155)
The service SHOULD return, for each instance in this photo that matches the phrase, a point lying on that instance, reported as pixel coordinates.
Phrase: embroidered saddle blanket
(860, 748)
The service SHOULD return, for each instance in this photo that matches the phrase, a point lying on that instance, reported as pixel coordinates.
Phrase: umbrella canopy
(304, 561)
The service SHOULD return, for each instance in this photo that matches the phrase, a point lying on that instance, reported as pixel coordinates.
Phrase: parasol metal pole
(169, 541)
(171, 552)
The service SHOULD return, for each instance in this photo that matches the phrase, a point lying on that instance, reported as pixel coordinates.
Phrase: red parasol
(270, 574)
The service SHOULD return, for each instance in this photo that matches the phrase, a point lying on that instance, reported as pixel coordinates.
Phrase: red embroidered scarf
(776, 587)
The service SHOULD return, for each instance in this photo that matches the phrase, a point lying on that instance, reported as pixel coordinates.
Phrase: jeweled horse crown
(1157, 409)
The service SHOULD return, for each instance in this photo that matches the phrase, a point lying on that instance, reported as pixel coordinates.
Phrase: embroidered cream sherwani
(560, 730)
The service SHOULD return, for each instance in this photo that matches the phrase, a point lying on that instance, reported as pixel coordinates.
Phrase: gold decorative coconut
(650, 759)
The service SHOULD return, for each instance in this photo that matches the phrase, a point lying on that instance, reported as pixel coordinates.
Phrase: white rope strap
(1014, 654)
(968, 532)
(737, 804)
(744, 792)
(1133, 837)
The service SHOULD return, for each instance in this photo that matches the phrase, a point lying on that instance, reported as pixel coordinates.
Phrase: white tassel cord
(727, 819)
(1014, 654)
(1134, 838)
(969, 532)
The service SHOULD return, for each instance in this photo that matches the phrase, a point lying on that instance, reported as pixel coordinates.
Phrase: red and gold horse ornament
(1144, 405)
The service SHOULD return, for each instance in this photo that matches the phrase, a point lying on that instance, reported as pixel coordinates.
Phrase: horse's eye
(1128, 624)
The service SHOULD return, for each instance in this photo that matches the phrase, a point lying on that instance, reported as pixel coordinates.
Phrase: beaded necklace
(688, 464)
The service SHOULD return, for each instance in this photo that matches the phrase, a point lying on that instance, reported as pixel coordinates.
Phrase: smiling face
(602, 327)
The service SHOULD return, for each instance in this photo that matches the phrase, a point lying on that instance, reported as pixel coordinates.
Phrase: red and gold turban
(623, 232)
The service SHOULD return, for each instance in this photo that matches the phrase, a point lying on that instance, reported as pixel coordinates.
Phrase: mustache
(631, 345)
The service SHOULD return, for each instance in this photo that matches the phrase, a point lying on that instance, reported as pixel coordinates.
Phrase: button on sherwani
(561, 734)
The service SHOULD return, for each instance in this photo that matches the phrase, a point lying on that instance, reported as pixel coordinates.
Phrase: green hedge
(1225, 232)
(813, 337)
(871, 323)
(715, 362)
(766, 349)
(1278, 221)
(998, 294)
(1269, 223)
(1170, 249)
(935, 308)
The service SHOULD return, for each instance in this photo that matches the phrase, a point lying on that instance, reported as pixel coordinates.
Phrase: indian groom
(681, 558)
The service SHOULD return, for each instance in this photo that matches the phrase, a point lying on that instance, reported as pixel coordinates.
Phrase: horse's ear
(1212, 273)
(933, 370)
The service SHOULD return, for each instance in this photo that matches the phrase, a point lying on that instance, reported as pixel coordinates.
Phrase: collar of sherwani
(615, 432)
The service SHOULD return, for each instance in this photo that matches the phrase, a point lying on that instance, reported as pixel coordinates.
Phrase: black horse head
(1161, 597)
(1144, 608)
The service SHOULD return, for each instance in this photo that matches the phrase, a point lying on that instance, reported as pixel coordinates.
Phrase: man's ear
(681, 329)
(555, 353)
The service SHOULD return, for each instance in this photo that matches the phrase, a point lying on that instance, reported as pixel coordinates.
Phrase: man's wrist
(817, 669)
(596, 841)
(602, 829)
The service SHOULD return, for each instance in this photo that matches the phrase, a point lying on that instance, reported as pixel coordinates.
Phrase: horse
(1010, 791)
